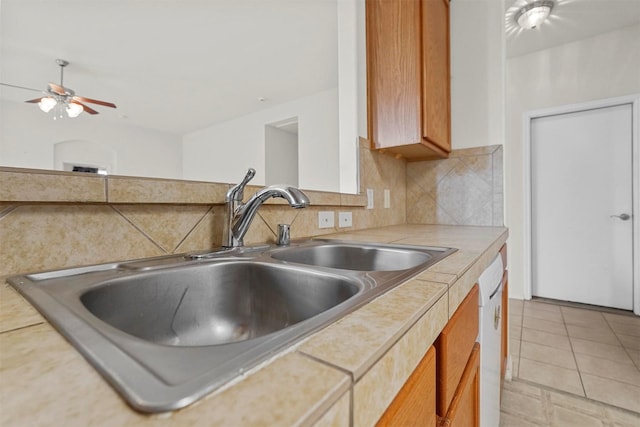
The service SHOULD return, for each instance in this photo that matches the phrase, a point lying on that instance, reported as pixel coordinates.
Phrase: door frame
(528, 116)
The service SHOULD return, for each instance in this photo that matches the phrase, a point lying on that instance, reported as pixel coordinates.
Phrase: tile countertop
(345, 374)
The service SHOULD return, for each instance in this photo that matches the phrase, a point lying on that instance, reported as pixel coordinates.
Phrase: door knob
(623, 216)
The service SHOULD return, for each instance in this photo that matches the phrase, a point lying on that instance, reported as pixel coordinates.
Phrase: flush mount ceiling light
(533, 14)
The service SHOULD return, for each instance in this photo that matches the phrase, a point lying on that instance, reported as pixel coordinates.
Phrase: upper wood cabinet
(408, 77)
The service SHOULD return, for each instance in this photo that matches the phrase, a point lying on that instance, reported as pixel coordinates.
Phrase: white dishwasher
(489, 337)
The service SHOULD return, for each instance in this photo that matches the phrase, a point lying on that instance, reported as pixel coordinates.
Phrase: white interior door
(581, 177)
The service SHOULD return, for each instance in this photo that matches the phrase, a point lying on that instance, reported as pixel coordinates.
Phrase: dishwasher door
(490, 333)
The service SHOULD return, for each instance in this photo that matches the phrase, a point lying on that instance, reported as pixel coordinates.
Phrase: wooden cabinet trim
(436, 85)
(503, 254)
(504, 339)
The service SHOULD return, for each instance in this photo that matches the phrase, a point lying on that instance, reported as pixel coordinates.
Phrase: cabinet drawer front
(464, 410)
(453, 348)
(415, 404)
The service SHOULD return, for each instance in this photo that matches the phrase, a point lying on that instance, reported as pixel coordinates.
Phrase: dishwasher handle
(497, 313)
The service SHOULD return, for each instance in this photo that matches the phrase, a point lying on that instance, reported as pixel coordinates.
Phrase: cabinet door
(453, 347)
(436, 111)
(464, 410)
(393, 72)
(415, 404)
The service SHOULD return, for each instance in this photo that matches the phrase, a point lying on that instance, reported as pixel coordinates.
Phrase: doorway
(281, 152)
(582, 230)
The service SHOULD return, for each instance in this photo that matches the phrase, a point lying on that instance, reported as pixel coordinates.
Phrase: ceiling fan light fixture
(74, 110)
(47, 103)
(533, 14)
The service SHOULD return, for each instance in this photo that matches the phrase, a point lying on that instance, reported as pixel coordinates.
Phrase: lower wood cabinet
(415, 404)
(444, 390)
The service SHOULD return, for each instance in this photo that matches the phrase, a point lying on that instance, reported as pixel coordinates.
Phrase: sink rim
(123, 360)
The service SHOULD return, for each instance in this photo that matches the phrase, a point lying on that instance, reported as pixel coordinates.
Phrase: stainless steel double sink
(166, 331)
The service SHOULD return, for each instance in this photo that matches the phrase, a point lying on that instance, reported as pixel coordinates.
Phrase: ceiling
(181, 65)
(171, 65)
(570, 20)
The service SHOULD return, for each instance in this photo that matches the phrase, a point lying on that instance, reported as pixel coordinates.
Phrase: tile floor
(572, 353)
(527, 405)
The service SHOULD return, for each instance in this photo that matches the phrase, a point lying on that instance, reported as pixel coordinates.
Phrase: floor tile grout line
(520, 339)
(613, 380)
(598, 403)
(573, 353)
(610, 360)
(549, 364)
(546, 332)
(582, 306)
(624, 348)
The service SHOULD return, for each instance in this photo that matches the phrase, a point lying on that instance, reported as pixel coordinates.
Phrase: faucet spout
(244, 214)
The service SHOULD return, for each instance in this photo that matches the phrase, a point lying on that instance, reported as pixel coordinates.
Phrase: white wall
(477, 73)
(600, 67)
(206, 152)
(28, 136)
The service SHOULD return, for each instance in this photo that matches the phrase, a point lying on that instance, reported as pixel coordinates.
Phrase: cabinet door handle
(496, 317)
(623, 216)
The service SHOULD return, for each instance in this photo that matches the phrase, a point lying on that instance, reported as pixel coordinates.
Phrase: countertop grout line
(19, 328)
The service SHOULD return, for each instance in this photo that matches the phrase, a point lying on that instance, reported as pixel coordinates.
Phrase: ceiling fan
(62, 98)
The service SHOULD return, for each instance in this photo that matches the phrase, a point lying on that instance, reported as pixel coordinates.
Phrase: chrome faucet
(240, 215)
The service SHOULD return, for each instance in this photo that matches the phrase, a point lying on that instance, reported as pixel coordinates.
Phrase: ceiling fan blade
(94, 101)
(86, 108)
(57, 89)
(34, 101)
(20, 87)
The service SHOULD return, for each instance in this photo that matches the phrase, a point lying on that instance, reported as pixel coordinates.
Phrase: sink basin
(222, 303)
(361, 257)
(167, 331)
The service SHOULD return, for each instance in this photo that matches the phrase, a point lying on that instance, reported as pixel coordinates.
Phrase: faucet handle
(236, 193)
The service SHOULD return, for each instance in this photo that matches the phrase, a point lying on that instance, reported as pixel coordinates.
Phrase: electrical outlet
(387, 198)
(326, 219)
(369, 198)
(345, 219)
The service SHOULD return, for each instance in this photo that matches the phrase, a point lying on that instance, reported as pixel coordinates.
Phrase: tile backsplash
(51, 220)
(465, 189)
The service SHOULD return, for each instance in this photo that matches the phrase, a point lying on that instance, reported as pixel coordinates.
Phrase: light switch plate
(369, 198)
(345, 219)
(326, 219)
(387, 198)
